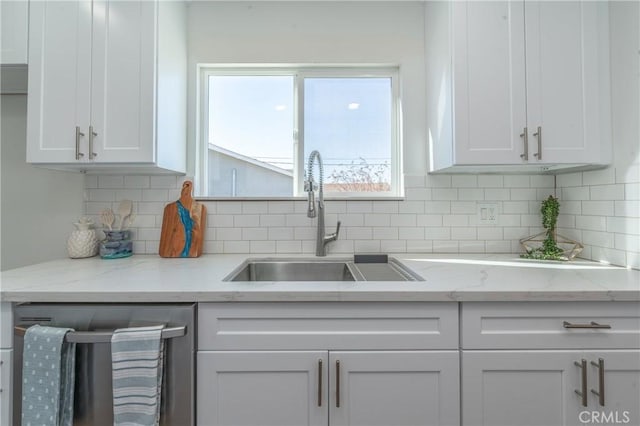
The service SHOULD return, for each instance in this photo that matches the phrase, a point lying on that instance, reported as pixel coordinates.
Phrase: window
(259, 125)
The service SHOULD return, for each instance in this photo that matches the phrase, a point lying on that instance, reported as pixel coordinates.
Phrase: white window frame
(299, 72)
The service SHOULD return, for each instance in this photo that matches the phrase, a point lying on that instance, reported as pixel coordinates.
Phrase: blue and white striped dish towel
(137, 358)
(48, 373)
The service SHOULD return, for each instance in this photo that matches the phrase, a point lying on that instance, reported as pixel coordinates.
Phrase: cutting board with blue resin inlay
(183, 225)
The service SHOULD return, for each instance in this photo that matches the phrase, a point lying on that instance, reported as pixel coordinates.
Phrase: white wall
(602, 208)
(318, 32)
(599, 208)
(37, 206)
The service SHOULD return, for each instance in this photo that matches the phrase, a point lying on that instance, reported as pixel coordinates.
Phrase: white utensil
(124, 210)
(107, 218)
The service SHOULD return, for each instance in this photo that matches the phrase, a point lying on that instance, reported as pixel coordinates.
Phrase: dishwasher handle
(104, 336)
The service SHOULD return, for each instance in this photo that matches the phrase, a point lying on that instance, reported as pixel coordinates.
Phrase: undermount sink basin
(320, 270)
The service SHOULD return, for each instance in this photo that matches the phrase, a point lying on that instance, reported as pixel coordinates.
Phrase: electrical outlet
(487, 214)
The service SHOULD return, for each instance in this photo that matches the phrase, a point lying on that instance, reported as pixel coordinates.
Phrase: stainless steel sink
(320, 270)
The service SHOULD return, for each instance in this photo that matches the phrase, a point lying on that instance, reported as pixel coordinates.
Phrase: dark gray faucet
(309, 186)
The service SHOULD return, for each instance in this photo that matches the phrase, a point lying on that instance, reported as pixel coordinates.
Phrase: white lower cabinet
(561, 364)
(329, 364)
(336, 388)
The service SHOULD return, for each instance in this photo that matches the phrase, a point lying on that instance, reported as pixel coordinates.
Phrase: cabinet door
(262, 388)
(59, 81)
(567, 81)
(489, 82)
(123, 64)
(621, 385)
(394, 388)
(5, 386)
(13, 31)
(520, 388)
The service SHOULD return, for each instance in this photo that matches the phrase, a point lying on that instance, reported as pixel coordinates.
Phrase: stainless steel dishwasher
(94, 323)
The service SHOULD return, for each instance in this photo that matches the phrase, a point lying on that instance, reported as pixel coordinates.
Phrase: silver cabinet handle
(79, 134)
(103, 336)
(92, 134)
(600, 392)
(319, 383)
(337, 384)
(583, 389)
(525, 138)
(538, 134)
(592, 324)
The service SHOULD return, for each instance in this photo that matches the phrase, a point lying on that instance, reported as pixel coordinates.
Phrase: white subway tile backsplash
(569, 179)
(419, 246)
(438, 214)
(393, 246)
(490, 181)
(462, 233)
(429, 220)
(592, 223)
(464, 181)
(137, 182)
(366, 246)
(496, 194)
(411, 233)
(411, 206)
(438, 181)
(377, 220)
(632, 191)
(244, 220)
(455, 220)
(360, 207)
(597, 208)
(385, 207)
(165, 182)
(155, 195)
(444, 194)
(517, 181)
(228, 234)
(385, 233)
(607, 192)
(254, 234)
(445, 247)
(524, 194)
(599, 177)
(262, 247)
(111, 181)
(403, 220)
(467, 194)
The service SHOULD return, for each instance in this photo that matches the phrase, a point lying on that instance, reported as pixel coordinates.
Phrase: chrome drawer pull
(103, 336)
(319, 383)
(525, 137)
(600, 391)
(583, 390)
(592, 324)
(78, 135)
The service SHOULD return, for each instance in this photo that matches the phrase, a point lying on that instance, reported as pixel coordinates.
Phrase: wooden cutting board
(183, 225)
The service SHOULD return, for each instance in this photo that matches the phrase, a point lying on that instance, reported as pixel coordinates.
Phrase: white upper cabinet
(517, 85)
(14, 24)
(97, 86)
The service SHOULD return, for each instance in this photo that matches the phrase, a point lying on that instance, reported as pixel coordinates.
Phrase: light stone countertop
(457, 277)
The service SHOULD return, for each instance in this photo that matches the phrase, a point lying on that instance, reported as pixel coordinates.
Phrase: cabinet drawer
(225, 326)
(551, 325)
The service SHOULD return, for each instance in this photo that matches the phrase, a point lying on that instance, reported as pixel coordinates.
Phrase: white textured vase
(82, 242)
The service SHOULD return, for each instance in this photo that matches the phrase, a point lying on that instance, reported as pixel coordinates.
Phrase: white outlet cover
(488, 213)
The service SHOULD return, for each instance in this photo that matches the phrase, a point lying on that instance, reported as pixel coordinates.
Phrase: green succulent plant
(550, 210)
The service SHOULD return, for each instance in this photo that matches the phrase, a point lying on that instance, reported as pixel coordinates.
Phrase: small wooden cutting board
(183, 225)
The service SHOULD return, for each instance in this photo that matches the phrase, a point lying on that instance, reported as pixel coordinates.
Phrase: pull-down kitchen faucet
(309, 186)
